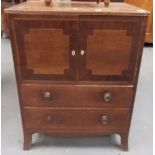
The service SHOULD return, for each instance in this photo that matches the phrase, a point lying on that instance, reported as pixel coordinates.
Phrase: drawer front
(76, 95)
(74, 119)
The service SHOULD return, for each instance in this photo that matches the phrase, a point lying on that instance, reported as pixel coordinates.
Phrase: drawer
(94, 119)
(76, 95)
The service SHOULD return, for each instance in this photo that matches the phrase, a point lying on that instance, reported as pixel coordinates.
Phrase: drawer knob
(106, 97)
(47, 95)
(104, 119)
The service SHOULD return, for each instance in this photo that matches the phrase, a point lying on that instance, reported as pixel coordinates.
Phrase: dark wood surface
(84, 96)
(117, 62)
(57, 40)
(65, 91)
(74, 119)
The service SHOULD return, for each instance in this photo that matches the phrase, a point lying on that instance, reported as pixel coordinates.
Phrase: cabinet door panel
(110, 52)
(45, 48)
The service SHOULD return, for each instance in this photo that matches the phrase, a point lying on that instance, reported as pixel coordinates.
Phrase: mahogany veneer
(77, 66)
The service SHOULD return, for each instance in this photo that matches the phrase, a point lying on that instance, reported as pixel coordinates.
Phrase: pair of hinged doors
(77, 48)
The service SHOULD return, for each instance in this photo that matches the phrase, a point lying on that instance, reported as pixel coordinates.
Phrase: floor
(140, 139)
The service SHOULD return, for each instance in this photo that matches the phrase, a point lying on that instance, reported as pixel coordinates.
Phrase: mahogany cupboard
(77, 66)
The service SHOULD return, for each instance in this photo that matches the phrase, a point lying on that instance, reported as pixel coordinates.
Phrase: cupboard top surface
(79, 8)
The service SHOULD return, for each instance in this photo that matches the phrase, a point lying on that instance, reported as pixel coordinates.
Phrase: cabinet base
(28, 141)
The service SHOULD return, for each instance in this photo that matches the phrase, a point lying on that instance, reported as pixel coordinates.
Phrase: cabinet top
(76, 8)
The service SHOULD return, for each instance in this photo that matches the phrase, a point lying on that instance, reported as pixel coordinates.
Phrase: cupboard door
(46, 47)
(108, 48)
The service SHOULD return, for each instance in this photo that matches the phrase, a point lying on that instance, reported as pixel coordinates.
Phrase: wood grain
(76, 96)
(45, 47)
(112, 48)
(87, 8)
(59, 119)
(39, 50)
